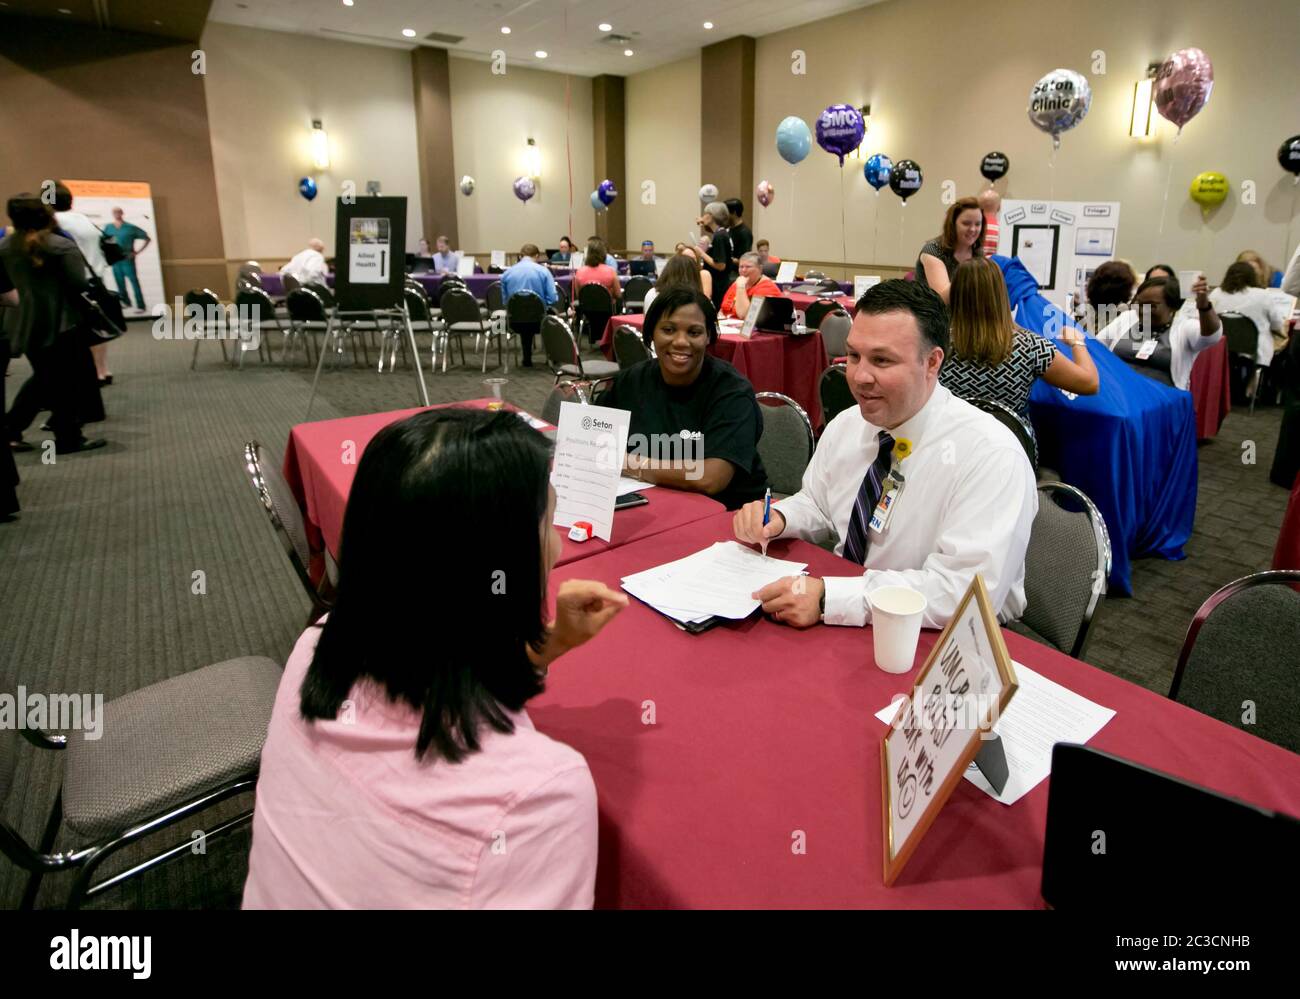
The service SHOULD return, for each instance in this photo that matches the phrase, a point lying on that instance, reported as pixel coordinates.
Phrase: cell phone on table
(630, 500)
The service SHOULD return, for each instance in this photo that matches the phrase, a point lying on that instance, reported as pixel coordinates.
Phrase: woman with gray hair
(715, 248)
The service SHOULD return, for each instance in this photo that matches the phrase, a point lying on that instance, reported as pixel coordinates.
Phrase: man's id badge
(890, 492)
(1147, 349)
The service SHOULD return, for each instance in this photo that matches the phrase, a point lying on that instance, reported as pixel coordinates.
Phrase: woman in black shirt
(695, 421)
(961, 240)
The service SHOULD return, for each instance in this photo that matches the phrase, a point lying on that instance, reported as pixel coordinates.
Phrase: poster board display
(369, 251)
(1060, 242)
(98, 200)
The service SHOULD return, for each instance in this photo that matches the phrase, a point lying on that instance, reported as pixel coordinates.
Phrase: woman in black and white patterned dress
(993, 358)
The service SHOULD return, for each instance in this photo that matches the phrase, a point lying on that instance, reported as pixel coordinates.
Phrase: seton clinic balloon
(840, 129)
(765, 192)
(307, 188)
(793, 140)
(607, 192)
(524, 188)
(1059, 101)
(467, 185)
(1209, 188)
(994, 165)
(1183, 86)
(1288, 156)
(905, 179)
(877, 170)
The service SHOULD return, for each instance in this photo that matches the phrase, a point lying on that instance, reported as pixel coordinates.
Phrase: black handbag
(101, 309)
(112, 250)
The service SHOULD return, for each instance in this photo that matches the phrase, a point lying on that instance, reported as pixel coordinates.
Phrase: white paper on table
(861, 282)
(1041, 714)
(626, 485)
(465, 266)
(715, 582)
(499, 259)
(785, 271)
(660, 263)
(589, 448)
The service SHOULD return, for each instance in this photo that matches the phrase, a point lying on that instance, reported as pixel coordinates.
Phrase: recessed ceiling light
(505, 30)
(605, 27)
(409, 32)
(627, 52)
(708, 25)
(540, 53)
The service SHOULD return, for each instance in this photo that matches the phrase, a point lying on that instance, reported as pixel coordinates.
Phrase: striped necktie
(857, 543)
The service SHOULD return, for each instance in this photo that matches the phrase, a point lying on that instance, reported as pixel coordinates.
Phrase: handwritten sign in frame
(974, 610)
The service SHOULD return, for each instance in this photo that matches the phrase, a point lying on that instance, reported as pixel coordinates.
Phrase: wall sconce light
(320, 146)
(861, 152)
(1141, 122)
(532, 160)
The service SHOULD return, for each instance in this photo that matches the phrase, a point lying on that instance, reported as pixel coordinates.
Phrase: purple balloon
(1183, 86)
(524, 188)
(840, 129)
(606, 192)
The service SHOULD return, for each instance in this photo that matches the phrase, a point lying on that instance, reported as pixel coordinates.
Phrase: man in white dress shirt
(86, 235)
(309, 266)
(961, 496)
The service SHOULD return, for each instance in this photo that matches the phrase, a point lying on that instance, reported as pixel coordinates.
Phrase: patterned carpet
(97, 590)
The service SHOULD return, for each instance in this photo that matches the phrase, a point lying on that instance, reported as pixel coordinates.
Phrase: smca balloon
(1059, 101)
(793, 140)
(840, 129)
(877, 170)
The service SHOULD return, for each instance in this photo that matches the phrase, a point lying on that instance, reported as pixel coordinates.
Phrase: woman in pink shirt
(401, 769)
(595, 270)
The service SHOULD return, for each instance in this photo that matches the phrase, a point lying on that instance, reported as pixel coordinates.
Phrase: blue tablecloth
(1131, 447)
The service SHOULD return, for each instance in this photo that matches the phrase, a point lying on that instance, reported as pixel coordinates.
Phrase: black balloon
(1289, 155)
(995, 165)
(905, 178)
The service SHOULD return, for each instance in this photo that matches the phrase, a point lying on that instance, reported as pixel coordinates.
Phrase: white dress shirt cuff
(846, 601)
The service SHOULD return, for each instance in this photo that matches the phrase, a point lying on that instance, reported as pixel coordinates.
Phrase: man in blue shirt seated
(446, 260)
(529, 275)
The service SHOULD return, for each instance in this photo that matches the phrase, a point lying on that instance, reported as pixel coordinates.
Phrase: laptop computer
(775, 315)
(1119, 832)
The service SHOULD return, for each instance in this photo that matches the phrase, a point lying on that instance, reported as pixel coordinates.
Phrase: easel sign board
(369, 253)
(961, 691)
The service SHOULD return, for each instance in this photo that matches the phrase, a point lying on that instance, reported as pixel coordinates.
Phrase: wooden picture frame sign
(960, 693)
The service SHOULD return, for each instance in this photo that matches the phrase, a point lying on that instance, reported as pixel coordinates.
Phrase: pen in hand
(767, 515)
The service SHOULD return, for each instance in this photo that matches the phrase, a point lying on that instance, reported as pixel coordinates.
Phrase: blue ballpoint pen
(767, 514)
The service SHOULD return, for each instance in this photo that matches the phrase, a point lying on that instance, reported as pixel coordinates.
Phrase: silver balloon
(467, 185)
(709, 192)
(1059, 101)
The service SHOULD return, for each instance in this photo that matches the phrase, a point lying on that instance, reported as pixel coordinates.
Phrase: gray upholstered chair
(207, 300)
(1067, 566)
(630, 347)
(563, 356)
(1239, 662)
(253, 302)
(278, 501)
(786, 444)
(308, 314)
(835, 327)
(460, 318)
(635, 291)
(1014, 422)
(833, 390)
(164, 753)
(568, 390)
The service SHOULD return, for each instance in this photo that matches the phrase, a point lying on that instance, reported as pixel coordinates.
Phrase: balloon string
(875, 230)
(1169, 179)
(844, 246)
(1051, 165)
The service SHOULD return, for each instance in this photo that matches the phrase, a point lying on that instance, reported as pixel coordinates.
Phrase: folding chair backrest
(786, 443)
(289, 283)
(595, 299)
(525, 311)
(417, 303)
(278, 501)
(459, 306)
(1241, 650)
(835, 327)
(558, 340)
(635, 291)
(629, 347)
(305, 306)
(492, 299)
(257, 303)
(816, 312)
(322, 291)
(833, 389)
(1241, 333)
(1067, 564)
(203, 297)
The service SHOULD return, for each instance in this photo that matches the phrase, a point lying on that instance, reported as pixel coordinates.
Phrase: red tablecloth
(314, 468)
(1211, 392)
(761, 732)
(773, 362)
(1287, 553)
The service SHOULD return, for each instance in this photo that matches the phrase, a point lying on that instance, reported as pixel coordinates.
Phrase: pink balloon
(1183, 86)
(765, 192)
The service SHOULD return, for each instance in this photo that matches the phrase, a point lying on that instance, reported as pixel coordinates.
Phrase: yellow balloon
(1209, 188)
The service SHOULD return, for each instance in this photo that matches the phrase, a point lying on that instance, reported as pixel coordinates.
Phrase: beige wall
(663, 146)
(493, 116)
(263, 90)
(899, 57)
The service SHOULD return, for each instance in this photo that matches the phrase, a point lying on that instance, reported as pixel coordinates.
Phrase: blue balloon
(793, 140)
(596, 201)
(607, 192)
(307, 188)
(877, 170)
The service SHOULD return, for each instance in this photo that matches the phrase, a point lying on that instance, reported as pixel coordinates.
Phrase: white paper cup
(896, 626)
